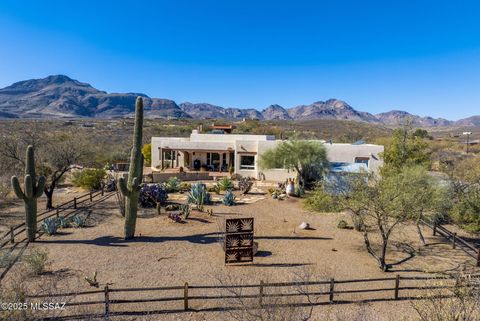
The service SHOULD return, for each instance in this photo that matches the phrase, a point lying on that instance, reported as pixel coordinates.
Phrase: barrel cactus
(131, 189)
(32, 191)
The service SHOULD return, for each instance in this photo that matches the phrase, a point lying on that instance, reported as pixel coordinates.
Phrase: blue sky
(418, 56)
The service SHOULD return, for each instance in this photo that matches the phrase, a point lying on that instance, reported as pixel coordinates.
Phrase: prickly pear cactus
(131, 188)
(32, 191)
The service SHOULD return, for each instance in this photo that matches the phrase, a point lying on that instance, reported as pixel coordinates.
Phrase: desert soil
(169, 254)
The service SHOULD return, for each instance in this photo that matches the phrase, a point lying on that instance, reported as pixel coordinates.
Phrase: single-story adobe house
(221, 152)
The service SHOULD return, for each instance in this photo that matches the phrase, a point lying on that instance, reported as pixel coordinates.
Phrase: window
(247, 162)
(362, 160)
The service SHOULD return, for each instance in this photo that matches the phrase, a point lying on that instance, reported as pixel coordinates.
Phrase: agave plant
(50, 226)
(185, 210)
(152, 194)
(79, 221)
(63, 222)
(228, 199)
(199, 196)
(173, 184)
(225, 184)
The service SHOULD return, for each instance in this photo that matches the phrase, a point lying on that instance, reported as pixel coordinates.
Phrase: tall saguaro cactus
(32, 191)
(131, 189)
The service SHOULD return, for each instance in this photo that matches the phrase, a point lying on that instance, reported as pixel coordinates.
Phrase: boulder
(304, 226)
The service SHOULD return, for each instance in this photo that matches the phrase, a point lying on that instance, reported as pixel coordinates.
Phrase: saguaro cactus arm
(40, 186)
(122, 186)
(16, 188)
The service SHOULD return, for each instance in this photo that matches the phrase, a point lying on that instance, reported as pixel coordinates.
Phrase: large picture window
(247, 162)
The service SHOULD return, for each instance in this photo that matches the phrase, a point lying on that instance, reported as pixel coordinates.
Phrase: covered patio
(220, 159)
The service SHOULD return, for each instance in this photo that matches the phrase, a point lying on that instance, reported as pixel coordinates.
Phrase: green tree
(307, 158)
(405, 149)
(89, 178)
(380, 204)
(147, 154)
(423, 197)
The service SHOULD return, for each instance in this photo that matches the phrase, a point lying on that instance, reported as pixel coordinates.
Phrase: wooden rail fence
(12, 240)
(470, 249)
(74, 206)
(110, 301)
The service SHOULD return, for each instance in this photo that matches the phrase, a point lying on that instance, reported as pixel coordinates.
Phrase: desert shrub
(466, 211)
(229, 199)
(147, 154)
(185, 186)
(175, 217)
(6, 258)
(89, 178)
(213, 189)
(342, 224)
(321, 201)
(152, 194)
(173, 184)
(245, 184)
(185, 210)
(225, 184)
(456, 303)
(37, 260)
(50, 226)
(199, 196)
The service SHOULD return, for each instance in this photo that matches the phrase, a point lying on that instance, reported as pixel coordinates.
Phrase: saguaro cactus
(32, 191)
(131, 188)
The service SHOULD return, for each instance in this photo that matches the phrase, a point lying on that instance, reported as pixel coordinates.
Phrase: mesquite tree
(131, 188)
(32, 191)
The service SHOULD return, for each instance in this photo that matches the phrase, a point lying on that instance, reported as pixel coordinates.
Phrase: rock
(304, 226)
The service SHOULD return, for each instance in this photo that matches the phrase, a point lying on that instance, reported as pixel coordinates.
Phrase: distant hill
(60, 96)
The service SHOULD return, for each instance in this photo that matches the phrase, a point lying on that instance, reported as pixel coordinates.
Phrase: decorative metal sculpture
(238, 240)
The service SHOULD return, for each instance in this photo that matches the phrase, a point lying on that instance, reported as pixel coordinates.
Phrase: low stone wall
(161, 177)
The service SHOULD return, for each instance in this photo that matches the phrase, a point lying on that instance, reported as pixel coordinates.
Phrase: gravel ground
(169, 254)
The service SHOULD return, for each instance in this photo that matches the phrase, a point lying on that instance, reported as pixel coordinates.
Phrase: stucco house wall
(255, 146)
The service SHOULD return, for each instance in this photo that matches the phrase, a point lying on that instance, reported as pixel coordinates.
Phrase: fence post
(332, 289)
(434, 228)
(103, 189)
(91, 198)
(260, 294)
(75, 203)
(397, 285)
(454, 239)
(107, 303)
(185, 296)
(478, 258)
(12, 235)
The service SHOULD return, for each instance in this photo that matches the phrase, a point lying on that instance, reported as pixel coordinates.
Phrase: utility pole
(468, 138)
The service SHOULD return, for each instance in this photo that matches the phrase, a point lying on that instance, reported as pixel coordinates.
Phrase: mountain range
(59, 96)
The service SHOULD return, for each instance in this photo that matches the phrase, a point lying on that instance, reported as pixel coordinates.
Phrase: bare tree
(459, 302)
(60, 156)
(278, 303)
(56, 154)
